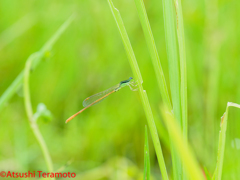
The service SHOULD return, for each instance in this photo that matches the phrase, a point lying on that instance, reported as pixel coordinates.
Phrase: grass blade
(181, 146)
(221, 144)
(19, 80)
(172, 54)
(146, 157)
(207, 174)
(183, 68)
(153, 52)
(143, 94)
(16, 30)
(32, 121)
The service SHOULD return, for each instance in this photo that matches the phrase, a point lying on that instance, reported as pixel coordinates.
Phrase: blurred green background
(107, 140)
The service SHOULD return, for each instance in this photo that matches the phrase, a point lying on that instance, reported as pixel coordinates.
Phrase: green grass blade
(8, 93)
(48, 46)
(29, 111)
(126, 42)
(18, 81)
(153, 52)
(17, 29)
(207, 174)
(163, 134)
(181, 146)
(172, 54)
(146, 157)
(222, 139)
(183, 68)
(214, 175)
(143, 94)
(27, 99)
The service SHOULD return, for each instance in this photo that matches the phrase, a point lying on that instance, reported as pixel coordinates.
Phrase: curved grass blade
(10, 91)
(221, 145)
(29, 111)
